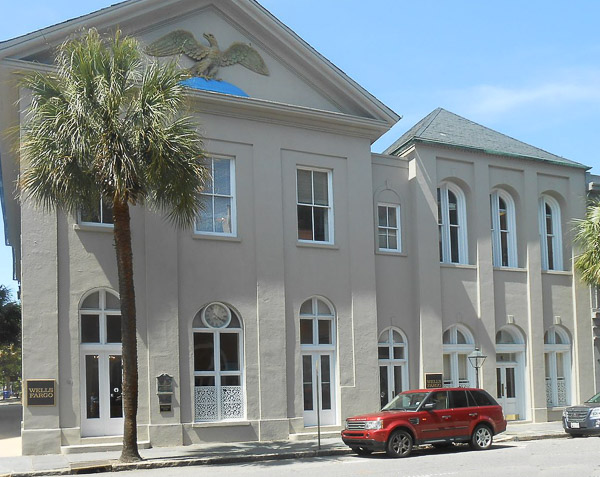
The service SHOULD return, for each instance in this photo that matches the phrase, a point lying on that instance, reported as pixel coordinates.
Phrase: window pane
(462, 368)
(204, 352)
(92, 387)
(325, 383)
(306, 332)
(482, 398)
(446, 337)
(321, 224)
(392, 222)
(307, 384)
(510, 382)
(459, 399)
(115, 379)
(452, 208)
(560, 368)
(441, 244)
(204, 381)
(383, 242)
(383, 386)
(306, 308)
(382, 215)
(447, 368)
(222, 177)
(113, 329)
(383, 352)
(321, 187)
(230, 381)
(223, 215)
(498, 383)
(325, 332)
(397, 379)
(112, 302)
(393, 241)
(305, 231)
(460, 337)
(322, 308)
(107, 213)
(558, 339)
(398, 352)
(208, 185)
(550, 254)
(504, 245)
(229, 352)
(304, 187)
(90, 328)
(205, 215)
(454, 257)
(91, 214)
(439, 204)
(92, 302)
(397, 337)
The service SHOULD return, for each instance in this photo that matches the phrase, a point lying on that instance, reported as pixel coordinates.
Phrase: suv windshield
(595, 399)
(405, 401)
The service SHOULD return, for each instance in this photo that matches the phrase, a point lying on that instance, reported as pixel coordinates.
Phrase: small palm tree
(587, 237)
(107, 125)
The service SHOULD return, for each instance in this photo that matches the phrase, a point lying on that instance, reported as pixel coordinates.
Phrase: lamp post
(477, 359)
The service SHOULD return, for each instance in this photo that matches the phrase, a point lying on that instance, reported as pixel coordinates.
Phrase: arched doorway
(458, 344)
(510, 372)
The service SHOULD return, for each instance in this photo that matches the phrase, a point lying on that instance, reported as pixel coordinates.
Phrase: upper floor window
(550, 234)
(388, 227)
(102, 214)
(218, 213)
(452, 224)
(315, 205)
(504, 237)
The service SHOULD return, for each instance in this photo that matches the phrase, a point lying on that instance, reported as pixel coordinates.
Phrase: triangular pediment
(297, 74)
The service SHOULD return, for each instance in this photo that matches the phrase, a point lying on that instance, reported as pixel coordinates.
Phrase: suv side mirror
(429, 406)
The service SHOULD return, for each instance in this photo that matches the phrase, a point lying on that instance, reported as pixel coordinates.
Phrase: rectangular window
(388, 227)
(100, 215)
(314, 205)
(218, 212)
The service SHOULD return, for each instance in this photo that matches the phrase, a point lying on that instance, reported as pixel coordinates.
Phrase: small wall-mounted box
(164, 384)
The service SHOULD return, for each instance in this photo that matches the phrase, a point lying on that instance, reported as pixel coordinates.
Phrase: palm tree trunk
(122, 234)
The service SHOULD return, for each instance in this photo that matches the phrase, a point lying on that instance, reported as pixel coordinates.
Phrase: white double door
(506, 388)
(101, 392)
(318, 388)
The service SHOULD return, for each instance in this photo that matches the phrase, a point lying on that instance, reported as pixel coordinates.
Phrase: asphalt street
(10, 420)
(551, 457)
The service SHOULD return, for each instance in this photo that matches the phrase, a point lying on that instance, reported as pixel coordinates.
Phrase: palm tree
(106, 125)
(587, 236)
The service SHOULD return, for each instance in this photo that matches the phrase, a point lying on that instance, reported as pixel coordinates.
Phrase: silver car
(583, 420)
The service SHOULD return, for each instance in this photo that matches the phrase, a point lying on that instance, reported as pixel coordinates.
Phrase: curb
(98, 467)
(531, 437)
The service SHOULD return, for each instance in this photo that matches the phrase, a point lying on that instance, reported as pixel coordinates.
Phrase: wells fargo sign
(41, 392)
(434, 380)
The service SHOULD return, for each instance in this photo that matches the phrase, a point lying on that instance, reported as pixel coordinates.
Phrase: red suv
(427, 416)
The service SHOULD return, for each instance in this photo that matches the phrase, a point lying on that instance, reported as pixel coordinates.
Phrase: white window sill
(326, 245)
(510, 269)
(566, 273)
(106, 228)
(464, 266)
(396, 253)
(222, 238)
(220, 424)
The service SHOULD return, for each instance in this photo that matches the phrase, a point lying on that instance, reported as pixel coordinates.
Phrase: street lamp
(476, 359)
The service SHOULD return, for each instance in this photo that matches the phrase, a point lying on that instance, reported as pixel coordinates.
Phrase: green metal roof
(445, 128)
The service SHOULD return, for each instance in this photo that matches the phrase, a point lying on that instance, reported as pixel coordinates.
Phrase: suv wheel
(399, 444)
(482, 438)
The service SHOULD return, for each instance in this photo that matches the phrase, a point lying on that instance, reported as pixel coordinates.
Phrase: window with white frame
(393, 364)
(388, 227)
(314, 201)
(101, 214)
(504, 237)
(550, 234)
(452, 224)
(458, 344)
(557, 361)
(217, 215)
(218, 367)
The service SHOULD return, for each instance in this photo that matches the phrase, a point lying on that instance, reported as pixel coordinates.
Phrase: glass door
(318, 389)
(506, 389)
(101, 385)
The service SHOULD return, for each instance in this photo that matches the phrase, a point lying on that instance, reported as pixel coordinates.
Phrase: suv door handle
(446, 417)
(472, 414)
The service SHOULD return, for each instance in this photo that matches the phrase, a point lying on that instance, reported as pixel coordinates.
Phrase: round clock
(216, 315)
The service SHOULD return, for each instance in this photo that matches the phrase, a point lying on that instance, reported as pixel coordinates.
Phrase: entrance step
(100, 444)
(329, 432)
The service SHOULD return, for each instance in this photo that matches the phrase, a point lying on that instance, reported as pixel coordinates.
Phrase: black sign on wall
(434, 380)
(41, 392)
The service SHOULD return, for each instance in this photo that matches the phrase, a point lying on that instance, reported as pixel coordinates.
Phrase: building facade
(320, 278)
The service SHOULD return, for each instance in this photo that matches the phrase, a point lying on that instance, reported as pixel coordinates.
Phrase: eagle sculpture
(209, 58)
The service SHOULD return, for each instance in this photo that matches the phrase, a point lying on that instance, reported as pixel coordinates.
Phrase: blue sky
(530, 70)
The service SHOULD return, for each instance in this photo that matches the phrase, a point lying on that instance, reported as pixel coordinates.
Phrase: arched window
(458, 344)
(317, 345)
(504, 236)
(557, 359)
(218, 367)
(452, 224)
(393, 364)
(550, 234)
(101, 364)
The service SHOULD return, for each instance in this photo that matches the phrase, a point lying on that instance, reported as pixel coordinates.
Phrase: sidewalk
(28, 466)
